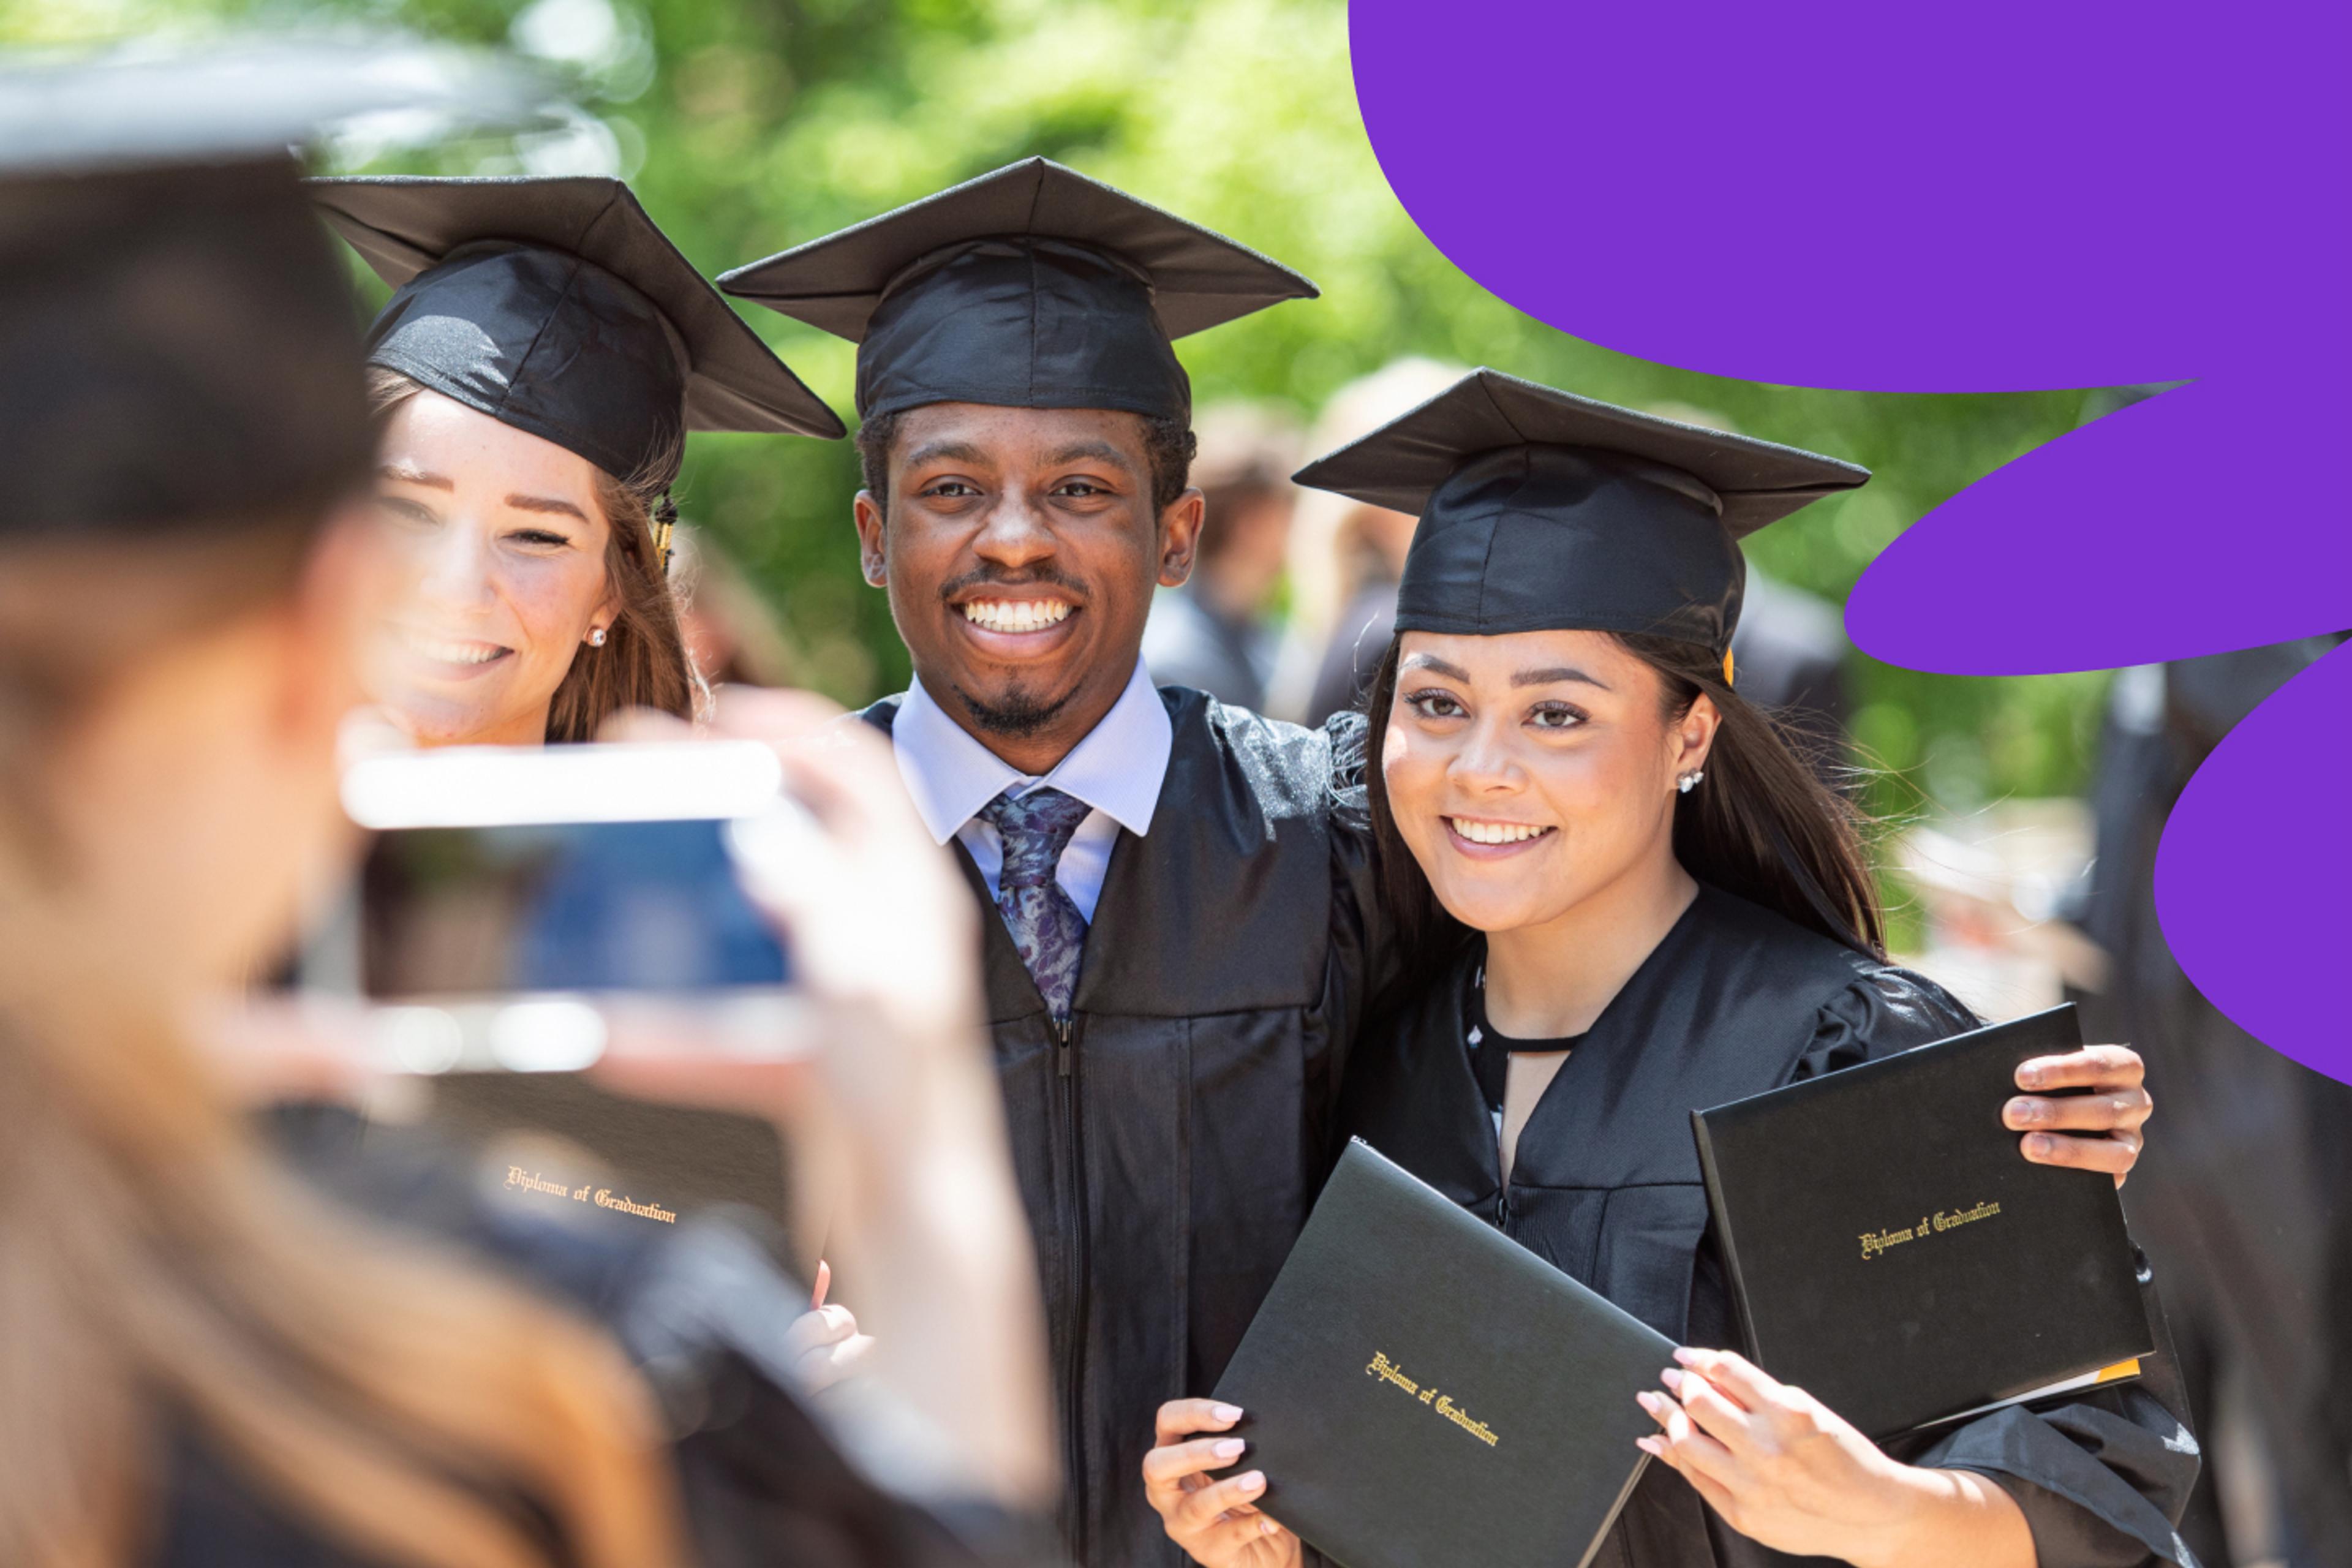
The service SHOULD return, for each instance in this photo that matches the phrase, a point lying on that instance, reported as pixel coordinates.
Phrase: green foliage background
(749, 125)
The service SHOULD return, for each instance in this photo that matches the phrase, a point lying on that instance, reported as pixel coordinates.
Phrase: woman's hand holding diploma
(1784, 1470)
(2105, 1121)
(1215, 1521)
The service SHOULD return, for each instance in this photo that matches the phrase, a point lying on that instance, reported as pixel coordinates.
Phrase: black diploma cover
(1421, 1390)
(1892, 1253)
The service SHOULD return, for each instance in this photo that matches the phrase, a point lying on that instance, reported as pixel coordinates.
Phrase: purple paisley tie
(1045, 924)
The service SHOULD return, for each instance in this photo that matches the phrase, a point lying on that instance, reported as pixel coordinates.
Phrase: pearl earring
(596, 639)
(1689, 781)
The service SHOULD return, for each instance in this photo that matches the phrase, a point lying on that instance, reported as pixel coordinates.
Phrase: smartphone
(561, 870)
(517, 906)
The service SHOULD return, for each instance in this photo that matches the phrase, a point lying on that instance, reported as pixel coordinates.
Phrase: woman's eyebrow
(407, 475)
(545, 503)
(1437, 665)
(1554, 673)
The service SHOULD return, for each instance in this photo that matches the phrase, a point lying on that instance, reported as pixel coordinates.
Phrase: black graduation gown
(1605, 1184)
(701, 1310)
(1169, 1151)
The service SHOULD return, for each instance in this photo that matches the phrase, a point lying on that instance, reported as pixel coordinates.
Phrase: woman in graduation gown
(1630, 899)
(543, 354)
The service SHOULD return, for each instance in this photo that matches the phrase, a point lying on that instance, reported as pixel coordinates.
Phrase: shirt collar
(1118, 768)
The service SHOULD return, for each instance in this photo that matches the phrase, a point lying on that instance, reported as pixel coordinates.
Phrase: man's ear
(873, 555)
(1180, 537)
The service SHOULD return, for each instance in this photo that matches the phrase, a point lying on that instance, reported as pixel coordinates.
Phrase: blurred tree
(749, 125)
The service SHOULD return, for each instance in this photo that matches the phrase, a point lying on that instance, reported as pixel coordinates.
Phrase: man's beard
(1016, 715)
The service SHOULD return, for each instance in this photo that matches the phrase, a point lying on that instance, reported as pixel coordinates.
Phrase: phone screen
(514, 908)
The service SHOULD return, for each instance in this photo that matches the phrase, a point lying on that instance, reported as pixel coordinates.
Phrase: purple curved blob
(2250, 892)
(2006, 195)
(2003, 196)
(2205, 520)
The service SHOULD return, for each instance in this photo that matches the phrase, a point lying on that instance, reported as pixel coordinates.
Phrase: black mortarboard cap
(556, 306)
(1033, 286)
(176, 338)
(1542, 511)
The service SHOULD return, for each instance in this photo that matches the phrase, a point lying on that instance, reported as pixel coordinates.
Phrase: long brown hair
(1762, 824)
(643, 662)
(161, 1276)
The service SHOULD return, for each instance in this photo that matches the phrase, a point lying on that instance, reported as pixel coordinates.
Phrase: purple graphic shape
(2139, 538)
(2009, 195)
(1995, 197)
(2250, 877)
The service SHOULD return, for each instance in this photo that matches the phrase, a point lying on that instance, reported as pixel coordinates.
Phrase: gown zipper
(1067, 1031)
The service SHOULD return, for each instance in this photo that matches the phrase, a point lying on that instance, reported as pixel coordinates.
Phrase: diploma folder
(1892, 1253)
(1423, 1392)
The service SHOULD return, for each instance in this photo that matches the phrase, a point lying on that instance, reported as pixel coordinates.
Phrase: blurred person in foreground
(1346, 557)
(205, 1362)
(1214, 634)
(533, 377)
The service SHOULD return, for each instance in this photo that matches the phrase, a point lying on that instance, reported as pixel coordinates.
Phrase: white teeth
(1015, 614)
(453, 652)
(1496, 832)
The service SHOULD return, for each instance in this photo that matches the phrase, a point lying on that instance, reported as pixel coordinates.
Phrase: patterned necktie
(1045, 924)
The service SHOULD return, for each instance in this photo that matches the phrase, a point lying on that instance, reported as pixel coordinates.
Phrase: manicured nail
(1687, 1355)
(1649, 1402)
(1231, 1449)
(1651, 1446)
(1226, 1412)
(1672, 1379)
(1253, 1481)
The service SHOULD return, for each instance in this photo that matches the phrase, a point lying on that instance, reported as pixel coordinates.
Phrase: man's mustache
(1042, 577)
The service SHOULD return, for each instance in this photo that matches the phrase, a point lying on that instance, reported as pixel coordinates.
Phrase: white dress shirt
(1117, 770)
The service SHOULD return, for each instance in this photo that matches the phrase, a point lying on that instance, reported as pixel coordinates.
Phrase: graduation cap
(1542, 511)
(177, 339)
(1033, 286)
(555, 306)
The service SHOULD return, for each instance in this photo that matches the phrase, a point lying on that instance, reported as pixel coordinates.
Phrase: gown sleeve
(2101, 1478)
(1364, 953)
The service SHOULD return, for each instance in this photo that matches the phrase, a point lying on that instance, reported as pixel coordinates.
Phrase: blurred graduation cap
(1032, 287)
(176, 336)
(555, 305)
(1543, 510)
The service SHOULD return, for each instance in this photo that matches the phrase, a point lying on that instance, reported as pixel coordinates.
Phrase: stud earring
(596, 639)
(1689, 781)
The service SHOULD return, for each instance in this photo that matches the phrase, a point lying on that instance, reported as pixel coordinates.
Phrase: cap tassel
(1727, 667)
(665, 519)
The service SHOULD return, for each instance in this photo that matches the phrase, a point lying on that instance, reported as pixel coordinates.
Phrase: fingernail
(1648, 1401)
(1231, 1449)
(1226, 1412)
(2040, 1144)
(1650, 1446)
(1253, 1481)
(2021, 1110)
(1266, 1527)
(2029, 1077)
(1672, 1379)
(1687, 1355)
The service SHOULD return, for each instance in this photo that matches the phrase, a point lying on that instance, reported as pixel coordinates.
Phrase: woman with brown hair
(533, 377)
(1628, 898)
(205, 1361)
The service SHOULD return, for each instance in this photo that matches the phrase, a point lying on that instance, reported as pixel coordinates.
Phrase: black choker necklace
(1491, 1050)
